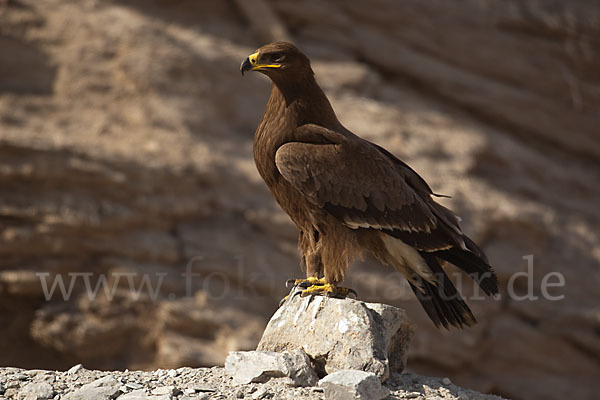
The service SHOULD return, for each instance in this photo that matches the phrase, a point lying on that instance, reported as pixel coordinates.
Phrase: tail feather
(475, 266)
(442, 303)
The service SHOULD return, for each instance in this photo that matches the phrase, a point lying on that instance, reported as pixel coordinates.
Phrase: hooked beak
(251, 64)
(246, 65)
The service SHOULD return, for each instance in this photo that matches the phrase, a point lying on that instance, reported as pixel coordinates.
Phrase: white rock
(339, 334)
(74, 369)
(104, 388)
(260, 366)
(12, 384)
(172, 373)
(169, 390)
(37, 391)
(18, 376)
(353, 384)
(134, 385)
(139, 394)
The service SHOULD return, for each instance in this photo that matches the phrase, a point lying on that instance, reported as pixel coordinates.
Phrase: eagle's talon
(306, 283)
(328, 290)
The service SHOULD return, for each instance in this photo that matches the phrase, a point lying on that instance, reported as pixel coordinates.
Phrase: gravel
(195, 384)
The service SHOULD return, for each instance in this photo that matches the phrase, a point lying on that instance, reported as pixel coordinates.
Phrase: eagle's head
(279, 61)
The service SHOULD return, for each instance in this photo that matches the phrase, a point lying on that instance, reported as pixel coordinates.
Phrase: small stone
(168, 390)
(134, 385)
(19, 377)
(75, 369)
(203, 396)
(172, 373)
(260, 366)
(12, 384)
(203, 389)
(353, 384)
(446, 381)
(34, 372)
(197, 388)
(239, 394)
(139, 394)
(260, 394)
(37, 391)
(104, 388)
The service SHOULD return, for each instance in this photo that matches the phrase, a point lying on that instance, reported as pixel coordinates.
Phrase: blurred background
(126, 151)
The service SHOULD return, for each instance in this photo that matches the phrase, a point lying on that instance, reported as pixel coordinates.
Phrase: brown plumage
(347, 195)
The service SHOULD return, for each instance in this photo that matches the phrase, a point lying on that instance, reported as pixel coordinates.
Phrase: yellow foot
(316, 286)
(329, 290)
(304, 283)
(298, 286)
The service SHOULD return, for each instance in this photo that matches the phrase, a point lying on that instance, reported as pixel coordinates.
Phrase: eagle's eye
(277, 57)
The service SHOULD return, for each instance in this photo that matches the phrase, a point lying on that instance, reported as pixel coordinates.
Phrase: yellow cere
(254, 62)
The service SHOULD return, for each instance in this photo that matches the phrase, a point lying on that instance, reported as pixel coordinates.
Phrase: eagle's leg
(329, 290)
(300, 285)
(304, 283)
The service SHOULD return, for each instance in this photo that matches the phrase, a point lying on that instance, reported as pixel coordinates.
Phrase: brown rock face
(126, 171)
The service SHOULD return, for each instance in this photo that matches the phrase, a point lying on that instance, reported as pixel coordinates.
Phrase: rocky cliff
(125, 155)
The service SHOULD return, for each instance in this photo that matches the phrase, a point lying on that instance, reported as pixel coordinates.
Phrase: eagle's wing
(361, 186)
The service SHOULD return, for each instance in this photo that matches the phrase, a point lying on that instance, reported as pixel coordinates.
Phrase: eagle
(349, 197)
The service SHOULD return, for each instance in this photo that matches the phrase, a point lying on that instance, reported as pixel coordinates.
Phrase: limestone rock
(339, 334)
(74, 369)
(37, 391)
(259, 366)
(352, 384)
(166, 390)
(105, 388)
(138, 394)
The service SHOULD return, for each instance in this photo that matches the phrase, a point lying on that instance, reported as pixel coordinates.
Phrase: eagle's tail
(442, 302)
(474, 265)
